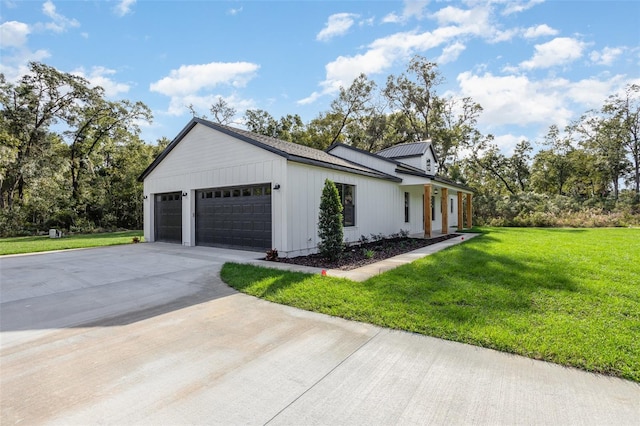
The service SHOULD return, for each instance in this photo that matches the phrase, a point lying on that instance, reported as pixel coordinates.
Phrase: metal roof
(291, 151)
(412, 149)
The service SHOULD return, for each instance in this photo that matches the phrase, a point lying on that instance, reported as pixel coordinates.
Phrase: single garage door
(168, 217)
(234, 217)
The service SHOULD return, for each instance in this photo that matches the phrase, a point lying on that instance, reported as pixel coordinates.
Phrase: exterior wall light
(184, 194)
(276, 186)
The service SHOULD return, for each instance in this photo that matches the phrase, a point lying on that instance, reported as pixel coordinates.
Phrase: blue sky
(530, 63)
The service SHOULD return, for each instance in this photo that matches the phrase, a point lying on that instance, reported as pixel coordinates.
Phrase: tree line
(70, 158)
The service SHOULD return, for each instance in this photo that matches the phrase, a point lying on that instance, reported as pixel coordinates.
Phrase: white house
(216, 185)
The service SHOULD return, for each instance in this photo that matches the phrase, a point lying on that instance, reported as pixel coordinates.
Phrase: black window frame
(406, 207)
(348, 210)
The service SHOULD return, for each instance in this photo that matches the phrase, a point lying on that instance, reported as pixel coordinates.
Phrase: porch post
(427, 211)
(469, 210)
(460, 212)
(445, 211)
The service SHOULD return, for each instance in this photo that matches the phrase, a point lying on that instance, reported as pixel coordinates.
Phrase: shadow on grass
(469, 277)
(270, 280)
(465, 283)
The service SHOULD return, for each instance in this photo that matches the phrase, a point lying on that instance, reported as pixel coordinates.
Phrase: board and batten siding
(206, 158)
(379, 206)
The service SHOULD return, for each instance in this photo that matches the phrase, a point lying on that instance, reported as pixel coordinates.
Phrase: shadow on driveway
(108, 286)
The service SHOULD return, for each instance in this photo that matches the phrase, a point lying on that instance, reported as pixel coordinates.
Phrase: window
(451, 201)
(428, 164)
(406, 207)
(348, 199)
(433, 207)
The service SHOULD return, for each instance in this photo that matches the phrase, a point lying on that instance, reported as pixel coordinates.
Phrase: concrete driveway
(148, 334)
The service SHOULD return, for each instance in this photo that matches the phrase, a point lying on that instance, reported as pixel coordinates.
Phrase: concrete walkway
(148, 334)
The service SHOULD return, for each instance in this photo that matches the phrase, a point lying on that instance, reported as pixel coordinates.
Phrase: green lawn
(44, 243)
(570, 296)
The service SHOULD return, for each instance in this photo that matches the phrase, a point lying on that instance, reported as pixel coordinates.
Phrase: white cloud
(539, 31)
(13, 34)
(15, 53)
(384, 52)
(517, 6)
(338, 24)
(234, 12)
(516, 100)
(507, 142)
(606, 56)
(192, 84)
(412, 9)
(450, 53)
(592, 92)
(100, 76)
(189, 79)
(124, 7)
(59, 22)
(559, 51)
(15, 66)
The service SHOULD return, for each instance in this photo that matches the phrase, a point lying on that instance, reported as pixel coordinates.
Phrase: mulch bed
(359, 255)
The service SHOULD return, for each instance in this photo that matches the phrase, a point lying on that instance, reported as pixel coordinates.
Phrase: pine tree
(330, 222)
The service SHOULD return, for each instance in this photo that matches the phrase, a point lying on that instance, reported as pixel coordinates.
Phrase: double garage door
(233, 217)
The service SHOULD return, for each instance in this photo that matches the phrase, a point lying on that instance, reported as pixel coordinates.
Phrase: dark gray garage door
(234, 217)
(168, 217)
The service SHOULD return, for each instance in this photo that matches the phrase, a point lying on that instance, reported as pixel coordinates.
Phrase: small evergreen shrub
(330, 222)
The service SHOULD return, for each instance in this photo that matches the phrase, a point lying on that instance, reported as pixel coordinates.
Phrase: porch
(445, 208)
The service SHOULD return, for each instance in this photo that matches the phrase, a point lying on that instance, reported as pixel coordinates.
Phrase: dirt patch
(359, 255)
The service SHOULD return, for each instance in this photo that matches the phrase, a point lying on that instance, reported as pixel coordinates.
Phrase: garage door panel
(168, 217)
(239, 218)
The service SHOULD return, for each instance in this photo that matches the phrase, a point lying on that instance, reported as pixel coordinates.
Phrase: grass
(44, 243)
(569, 296)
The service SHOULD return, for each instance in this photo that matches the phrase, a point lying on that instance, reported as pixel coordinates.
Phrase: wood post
(445, 211)
(427, 211)
(469, 211)
(460, 212)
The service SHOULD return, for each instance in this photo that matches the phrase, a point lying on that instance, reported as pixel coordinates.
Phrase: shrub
(330, 222)
(272, 255)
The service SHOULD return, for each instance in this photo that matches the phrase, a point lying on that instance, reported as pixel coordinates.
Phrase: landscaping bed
(364, 253)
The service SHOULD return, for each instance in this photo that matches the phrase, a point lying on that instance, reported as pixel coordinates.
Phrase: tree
(625, 110)
(519, 164)
(351, 105)
(498, 166)
(453, 127)
(603, 137)
(552, 168)
(330, 222)
(414, 93)
(42, 98)
(223, 113)
(449, 123)
(289, 128)
(93, 124)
